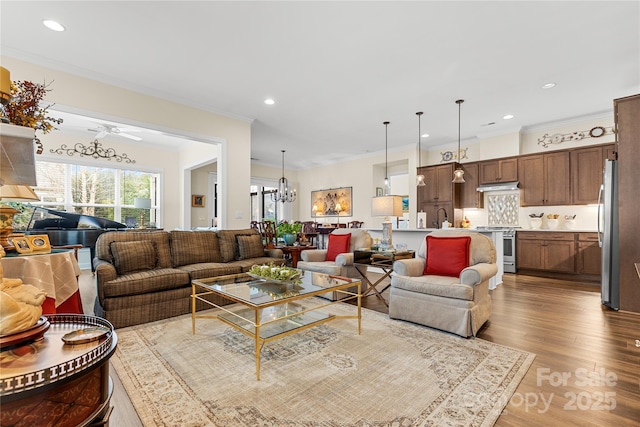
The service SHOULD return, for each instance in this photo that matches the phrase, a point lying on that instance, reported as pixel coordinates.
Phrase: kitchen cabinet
(626, 113)
(586, 172)
(499, 170)
(438, 187)
(470, 197)
(546, 251)
(588, 254)
(545, 179)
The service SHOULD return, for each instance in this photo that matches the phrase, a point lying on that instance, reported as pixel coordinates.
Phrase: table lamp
(338, 210)
(142, 203)
(386, 206)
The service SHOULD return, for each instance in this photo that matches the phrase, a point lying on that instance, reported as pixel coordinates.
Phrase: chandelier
(93, 149)
(283, 194)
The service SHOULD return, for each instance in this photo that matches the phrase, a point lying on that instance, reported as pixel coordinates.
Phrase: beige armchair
(460, 305)
(315, 259)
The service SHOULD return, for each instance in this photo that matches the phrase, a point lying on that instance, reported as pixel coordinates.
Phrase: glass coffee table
(267, 310)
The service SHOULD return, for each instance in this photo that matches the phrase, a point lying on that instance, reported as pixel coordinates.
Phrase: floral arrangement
(272, 271)
(24, 109)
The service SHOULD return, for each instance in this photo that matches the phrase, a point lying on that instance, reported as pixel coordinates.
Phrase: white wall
(95, 99)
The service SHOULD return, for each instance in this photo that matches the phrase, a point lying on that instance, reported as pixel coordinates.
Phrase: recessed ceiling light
(53, 25)
(548, 85)
(269, 101)
(425, 135)
(508, 117)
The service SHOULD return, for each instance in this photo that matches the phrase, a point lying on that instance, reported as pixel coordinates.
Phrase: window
(262, 205)
(96, 191)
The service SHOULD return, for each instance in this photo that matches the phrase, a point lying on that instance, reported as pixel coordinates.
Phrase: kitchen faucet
(436, 223)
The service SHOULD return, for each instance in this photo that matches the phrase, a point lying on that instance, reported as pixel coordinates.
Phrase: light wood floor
(586, 355)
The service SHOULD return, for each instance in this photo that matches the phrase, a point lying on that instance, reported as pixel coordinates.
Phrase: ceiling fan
(104, 129)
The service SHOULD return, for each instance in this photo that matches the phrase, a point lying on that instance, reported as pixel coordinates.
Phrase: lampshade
(17, 159)
(5, 86)
(142, 203)
(386, 206)
(17, 193)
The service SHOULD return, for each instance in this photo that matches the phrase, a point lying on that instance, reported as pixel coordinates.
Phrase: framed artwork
(379, 192)
(22, 245)
(39, 243)
(197, 201)
(332, 202)
(405, 203)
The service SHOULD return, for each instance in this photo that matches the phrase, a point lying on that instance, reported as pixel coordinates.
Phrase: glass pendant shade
(420, 180)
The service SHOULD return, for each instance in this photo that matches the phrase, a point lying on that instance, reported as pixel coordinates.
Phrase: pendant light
(420, 177)
(283, 194)
(386, 205)
(458, 174)
(387, 185)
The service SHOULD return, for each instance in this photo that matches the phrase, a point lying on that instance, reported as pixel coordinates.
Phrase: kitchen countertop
(557, 230)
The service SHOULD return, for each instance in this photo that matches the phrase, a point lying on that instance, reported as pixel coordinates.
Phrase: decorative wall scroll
(93, 149)
(559, 138)
(324, 202)
(448, 156)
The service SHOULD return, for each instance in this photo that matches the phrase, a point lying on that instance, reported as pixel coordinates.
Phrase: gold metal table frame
(269, 320)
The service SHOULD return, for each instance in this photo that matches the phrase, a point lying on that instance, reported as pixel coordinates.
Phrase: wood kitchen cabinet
(546, 251)
(438, 187)
(588, 254)
(470, 197)
(586, 172)
(545, 179)
(499, 170)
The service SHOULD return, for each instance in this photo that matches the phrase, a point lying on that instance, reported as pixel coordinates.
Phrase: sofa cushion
(211, 269)
(161, 238)
(192, 247)
(447, 256)
(144, 282)
(134, 256)
(440, 286)
(338, 244)
(229, 244)
(250, 246)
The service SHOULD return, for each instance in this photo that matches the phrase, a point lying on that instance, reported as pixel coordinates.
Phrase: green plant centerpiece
(275, 272)
(288, 232)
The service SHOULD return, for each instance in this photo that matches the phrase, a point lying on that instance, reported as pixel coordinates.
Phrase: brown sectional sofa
(146, 276)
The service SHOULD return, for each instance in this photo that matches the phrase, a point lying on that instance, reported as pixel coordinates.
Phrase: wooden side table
(381, 259)
(294, 252)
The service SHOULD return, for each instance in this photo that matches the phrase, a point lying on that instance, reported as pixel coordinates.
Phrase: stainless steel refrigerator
(608, 235)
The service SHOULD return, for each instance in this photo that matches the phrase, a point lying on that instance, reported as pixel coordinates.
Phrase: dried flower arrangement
(24, 109)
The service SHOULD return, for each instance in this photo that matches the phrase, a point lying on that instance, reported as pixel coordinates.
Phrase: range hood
(501, 186)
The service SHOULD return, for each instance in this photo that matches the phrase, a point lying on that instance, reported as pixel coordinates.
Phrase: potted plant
(289, 232)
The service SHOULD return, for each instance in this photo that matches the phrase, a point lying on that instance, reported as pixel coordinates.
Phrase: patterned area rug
(393, 374)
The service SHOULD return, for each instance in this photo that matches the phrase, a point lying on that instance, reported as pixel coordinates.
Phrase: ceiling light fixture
(508, 117)
(419, 177)
(458, 174)
(386, 205)
(53, 25)
(283, 194)
(269, 101)
(548, 85)
(425, 135)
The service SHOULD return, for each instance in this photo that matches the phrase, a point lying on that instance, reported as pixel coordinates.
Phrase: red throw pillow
(338, 244)
(447, 256)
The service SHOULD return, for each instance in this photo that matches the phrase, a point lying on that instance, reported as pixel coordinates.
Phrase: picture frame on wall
(405, 203)
(326, 201)
(197, 201)
(379, 192)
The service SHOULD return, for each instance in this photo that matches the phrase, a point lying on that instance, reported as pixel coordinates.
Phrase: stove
(509, 244)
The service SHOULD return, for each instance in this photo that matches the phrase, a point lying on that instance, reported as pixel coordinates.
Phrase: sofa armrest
(413, 267)
(476, 274)
(274, 253)
(105, 272)
(314, 255)
(344, 259)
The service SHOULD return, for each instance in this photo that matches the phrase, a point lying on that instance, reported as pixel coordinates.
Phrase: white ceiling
(337, 70)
